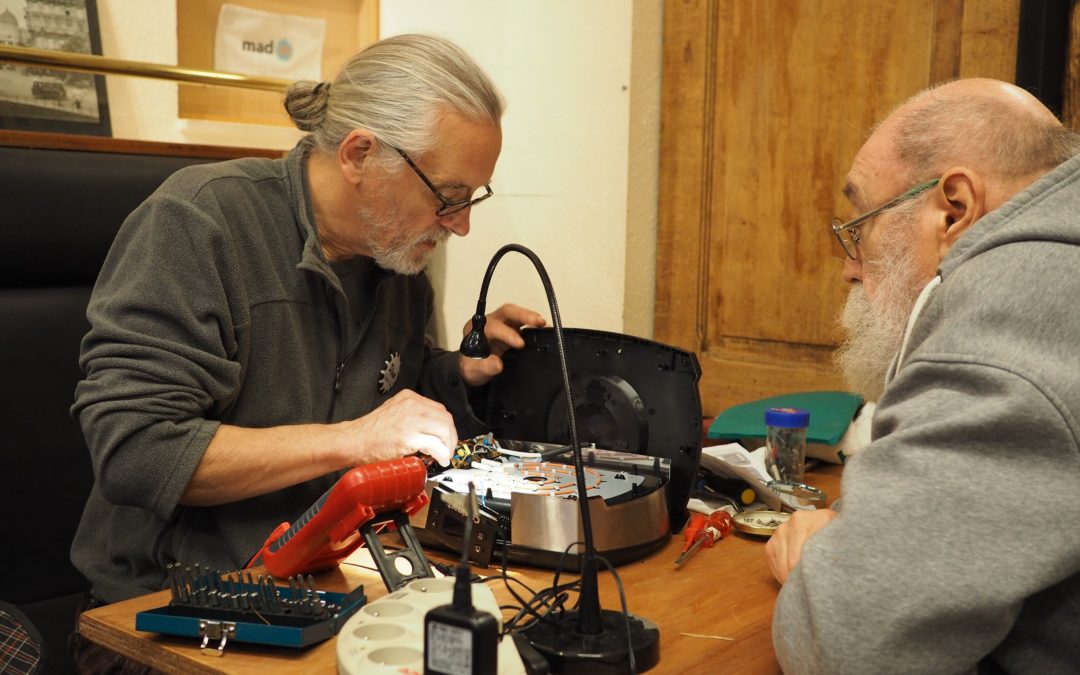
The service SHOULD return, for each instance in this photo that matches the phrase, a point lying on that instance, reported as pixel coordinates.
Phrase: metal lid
(763, 523)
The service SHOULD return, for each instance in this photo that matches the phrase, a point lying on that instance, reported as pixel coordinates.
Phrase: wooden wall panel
(764, 105)
(989, 36)
(686, 146)
(802, 86)
(1070, 99)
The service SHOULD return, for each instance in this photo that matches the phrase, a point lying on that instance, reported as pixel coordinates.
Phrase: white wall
(564, 185)
(561, 182)
(643, 179)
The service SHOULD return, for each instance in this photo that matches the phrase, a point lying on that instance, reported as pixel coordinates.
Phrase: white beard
(395, 250)
(874, 328)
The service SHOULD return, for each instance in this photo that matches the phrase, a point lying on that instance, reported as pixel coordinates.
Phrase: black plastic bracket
(386, 561)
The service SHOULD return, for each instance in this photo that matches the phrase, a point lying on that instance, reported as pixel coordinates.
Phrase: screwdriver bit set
(247, 607)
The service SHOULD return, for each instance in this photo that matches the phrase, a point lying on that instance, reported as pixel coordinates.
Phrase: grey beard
(871, 340)
(874, 328)
(399, 255)
(393, 250)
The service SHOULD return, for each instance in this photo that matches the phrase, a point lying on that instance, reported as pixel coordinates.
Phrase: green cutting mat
(830, 414)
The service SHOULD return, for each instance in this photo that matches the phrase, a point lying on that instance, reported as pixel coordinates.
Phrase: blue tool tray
(217, 625)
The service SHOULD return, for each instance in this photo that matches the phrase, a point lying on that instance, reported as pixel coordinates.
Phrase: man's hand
(784, 548)
(503, 331)
(405, 424)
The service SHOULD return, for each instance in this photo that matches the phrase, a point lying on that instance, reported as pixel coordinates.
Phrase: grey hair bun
(306, 102)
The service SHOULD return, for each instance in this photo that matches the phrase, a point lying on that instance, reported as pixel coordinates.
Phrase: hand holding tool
(704, 531)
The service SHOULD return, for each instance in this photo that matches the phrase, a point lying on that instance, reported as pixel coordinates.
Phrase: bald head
(981, 142)
(992, 127)
(1017, 101)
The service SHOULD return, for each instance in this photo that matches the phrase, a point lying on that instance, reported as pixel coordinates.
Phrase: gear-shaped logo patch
(388, 375)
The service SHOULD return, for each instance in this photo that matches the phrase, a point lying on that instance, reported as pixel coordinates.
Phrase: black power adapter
(458, 638)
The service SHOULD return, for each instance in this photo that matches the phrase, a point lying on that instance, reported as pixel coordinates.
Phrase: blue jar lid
(787, 418)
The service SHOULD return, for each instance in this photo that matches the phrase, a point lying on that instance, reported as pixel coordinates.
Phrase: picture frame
(37, 98)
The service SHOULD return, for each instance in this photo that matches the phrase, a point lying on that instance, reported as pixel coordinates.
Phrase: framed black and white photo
(37, 98)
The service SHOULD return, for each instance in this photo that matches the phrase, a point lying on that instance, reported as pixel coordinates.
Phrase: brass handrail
(92, 63)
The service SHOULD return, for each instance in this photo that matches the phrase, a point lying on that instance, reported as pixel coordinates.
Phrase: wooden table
(726, 592)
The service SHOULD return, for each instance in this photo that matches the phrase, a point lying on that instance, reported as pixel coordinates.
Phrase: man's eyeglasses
(448, 206)
(848, 233)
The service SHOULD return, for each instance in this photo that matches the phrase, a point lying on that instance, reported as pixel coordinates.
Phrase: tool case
(243, 607)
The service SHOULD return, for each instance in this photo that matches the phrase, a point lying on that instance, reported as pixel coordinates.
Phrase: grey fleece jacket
(958, 546)
(216, 304)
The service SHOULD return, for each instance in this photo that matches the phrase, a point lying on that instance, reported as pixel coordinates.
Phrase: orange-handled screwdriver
(692, 529)
(704, 531)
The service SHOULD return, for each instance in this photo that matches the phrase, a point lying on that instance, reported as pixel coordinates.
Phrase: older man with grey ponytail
(259, 325)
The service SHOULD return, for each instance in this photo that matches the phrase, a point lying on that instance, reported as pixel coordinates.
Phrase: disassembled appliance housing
(637, 407)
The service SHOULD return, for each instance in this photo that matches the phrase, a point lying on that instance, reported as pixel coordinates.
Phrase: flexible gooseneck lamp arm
(475, 345)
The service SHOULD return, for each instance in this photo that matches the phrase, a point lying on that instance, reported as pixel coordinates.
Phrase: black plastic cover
(630, 394)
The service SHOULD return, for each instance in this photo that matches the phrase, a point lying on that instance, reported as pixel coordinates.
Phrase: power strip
(387, 635)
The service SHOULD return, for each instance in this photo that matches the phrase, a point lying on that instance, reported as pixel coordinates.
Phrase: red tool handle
(692, 530)
(327, 532)
(717, 526)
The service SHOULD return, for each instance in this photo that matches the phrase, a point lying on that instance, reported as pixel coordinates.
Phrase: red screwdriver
(704, 531)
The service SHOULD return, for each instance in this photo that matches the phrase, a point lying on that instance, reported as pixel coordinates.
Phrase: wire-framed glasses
(848, 233)
(447, 206)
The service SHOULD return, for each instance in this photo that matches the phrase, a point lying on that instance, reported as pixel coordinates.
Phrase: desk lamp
(588, 639)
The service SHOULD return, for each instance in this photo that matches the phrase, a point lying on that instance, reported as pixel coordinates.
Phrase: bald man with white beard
(957, 549)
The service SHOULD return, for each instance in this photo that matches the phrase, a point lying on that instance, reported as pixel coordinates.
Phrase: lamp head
(475, 345)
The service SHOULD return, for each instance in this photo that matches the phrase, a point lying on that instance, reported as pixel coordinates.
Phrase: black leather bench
(60, 208)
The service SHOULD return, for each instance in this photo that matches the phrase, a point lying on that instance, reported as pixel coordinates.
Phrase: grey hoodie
(216, 304)
(958, 547)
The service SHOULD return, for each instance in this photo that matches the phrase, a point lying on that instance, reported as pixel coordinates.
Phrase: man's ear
(960, 199)
(354, 154)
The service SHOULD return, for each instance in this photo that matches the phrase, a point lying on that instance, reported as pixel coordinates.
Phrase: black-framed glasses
(848, 233)
(448, 206)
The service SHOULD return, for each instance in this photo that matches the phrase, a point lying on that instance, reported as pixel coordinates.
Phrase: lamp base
(568, 651)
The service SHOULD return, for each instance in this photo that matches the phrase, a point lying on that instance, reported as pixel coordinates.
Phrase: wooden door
(764, 104)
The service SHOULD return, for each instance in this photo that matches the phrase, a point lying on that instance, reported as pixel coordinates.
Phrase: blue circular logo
(284, 49)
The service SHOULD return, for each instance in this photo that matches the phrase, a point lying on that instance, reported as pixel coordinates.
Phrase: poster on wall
(268, 44)
(36, 98)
